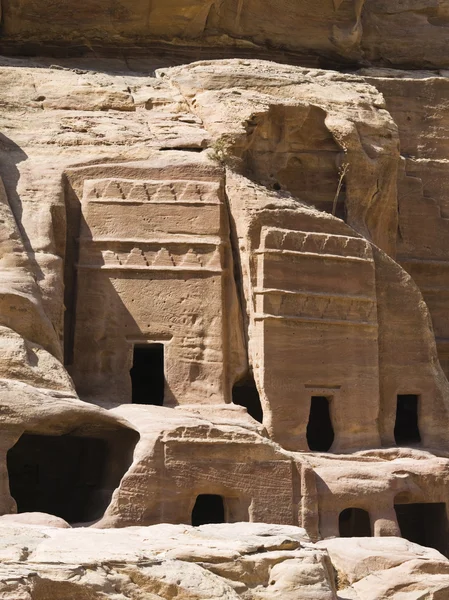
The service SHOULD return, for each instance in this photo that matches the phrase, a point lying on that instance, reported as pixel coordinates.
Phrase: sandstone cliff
(224, 300)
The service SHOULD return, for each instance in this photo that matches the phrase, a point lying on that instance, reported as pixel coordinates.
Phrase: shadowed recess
(147, 374)
(69, 476)
(425, 524)
(245, 393)
(354, 522)
(209, 508)
(320, 433)
(406, 429)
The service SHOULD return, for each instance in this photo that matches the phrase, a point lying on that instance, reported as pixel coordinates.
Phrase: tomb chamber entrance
(147, 374)
(69, 476)
(320, 432)
(406, 429)
(425, 524)
(209, 508)
(354, 522)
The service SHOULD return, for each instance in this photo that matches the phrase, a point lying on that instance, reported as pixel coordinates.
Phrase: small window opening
(354, 522)
(406, 429)
(320, 433)
(208, 508)
(147, 374)
(245, 393)
(65, 476)
(425, 524)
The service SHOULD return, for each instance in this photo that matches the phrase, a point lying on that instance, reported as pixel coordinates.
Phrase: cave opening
(245, 393)
(147, 374)
(354, 522)
(69, 476)
(425, 524)
(406, 429)
(320, 432)
(209, 508)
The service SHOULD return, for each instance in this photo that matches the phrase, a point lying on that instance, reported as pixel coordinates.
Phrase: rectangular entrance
(147, 374)
(425, 524)
(320, 432)
(406, 429)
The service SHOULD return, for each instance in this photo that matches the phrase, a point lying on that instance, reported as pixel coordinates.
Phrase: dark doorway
(147, 374)
(208, 508)
(245, 393)
(354, 522)
(425, 524)
(320, 433)
(60, 475)
(406, 429)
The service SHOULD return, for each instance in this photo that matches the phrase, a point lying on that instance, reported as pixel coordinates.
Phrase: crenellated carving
(157, 257)
(165, 192)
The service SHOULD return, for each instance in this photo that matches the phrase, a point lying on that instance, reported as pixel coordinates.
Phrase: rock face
(223, 301)
(409, 33)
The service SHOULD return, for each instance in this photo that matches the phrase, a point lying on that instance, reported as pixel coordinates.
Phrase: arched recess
(354, 522)
(290, 148)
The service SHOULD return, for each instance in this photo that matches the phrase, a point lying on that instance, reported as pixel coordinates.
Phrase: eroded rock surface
(244, 560)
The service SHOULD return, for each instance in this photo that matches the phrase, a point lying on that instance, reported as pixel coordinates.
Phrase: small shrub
(222, 151)
(342, 173)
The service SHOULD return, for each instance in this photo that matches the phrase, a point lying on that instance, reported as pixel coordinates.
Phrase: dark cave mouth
(68, 476)
(208, 508)
(424, 523)
(246, 394)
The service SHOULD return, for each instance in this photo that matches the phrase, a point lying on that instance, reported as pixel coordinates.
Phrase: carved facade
(153, 268)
